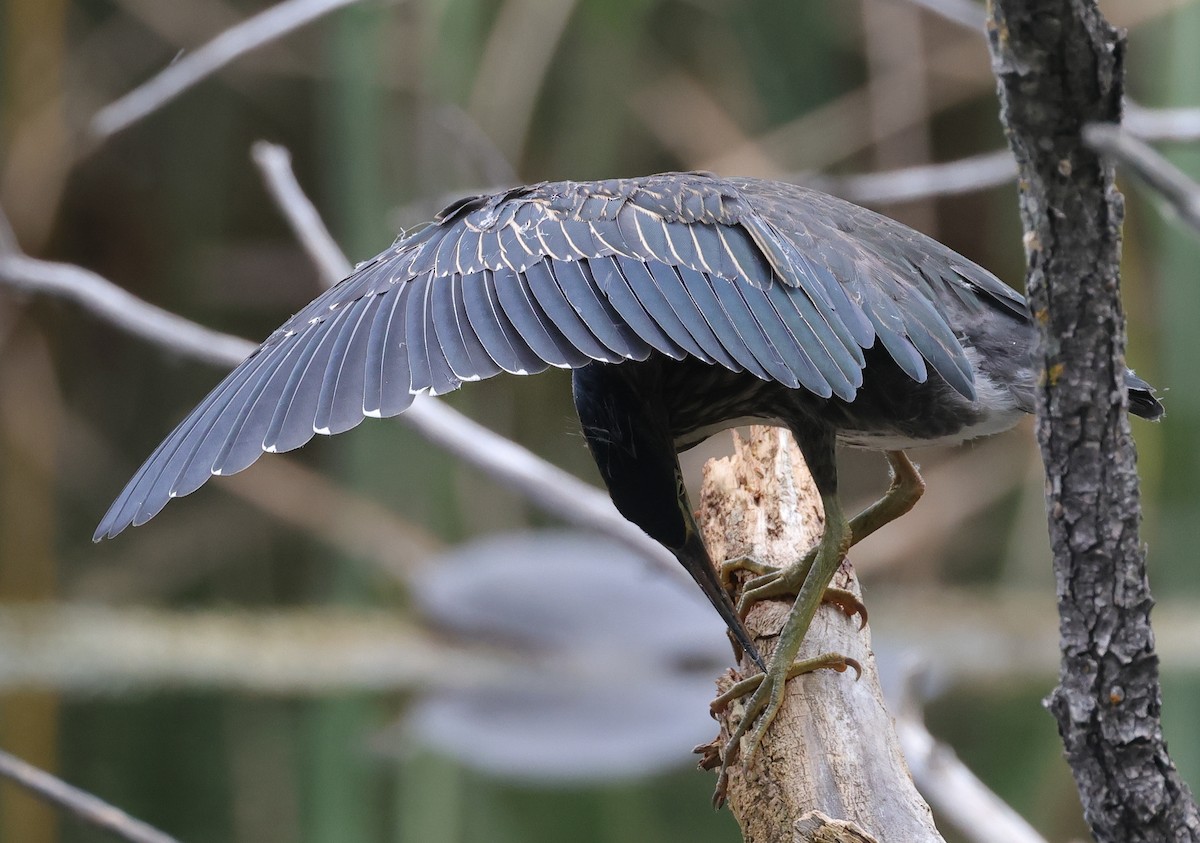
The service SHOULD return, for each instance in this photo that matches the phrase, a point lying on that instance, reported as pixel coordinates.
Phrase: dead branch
(829, 768)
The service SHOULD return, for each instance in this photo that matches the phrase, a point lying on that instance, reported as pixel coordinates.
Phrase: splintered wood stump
(829, 769)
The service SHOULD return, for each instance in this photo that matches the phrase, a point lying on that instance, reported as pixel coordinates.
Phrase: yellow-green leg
(902, 495)
(809, 580)
(767, 689)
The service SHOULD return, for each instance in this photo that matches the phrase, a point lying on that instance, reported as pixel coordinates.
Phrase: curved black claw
(848, 603)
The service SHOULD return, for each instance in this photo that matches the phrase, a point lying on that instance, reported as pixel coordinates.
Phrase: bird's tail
(1141, 398)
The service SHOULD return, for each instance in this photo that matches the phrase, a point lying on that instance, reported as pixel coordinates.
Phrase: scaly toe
(826, 661)
(767, 695)
(730, 568)
(772, 693)
(765, 587)
(776, 582)
(736, 692)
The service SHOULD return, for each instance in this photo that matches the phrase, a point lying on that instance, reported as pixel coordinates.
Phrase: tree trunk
(1060, 66)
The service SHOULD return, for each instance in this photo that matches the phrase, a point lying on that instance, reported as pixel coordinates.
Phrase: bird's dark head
(633, 450)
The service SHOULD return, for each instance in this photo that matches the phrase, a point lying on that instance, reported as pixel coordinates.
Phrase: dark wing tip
(1142, 402)
(1144, 405)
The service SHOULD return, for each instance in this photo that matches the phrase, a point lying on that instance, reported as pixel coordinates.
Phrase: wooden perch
(829, 769)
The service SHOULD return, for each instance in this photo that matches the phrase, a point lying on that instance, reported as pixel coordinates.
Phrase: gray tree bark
(1060, 66)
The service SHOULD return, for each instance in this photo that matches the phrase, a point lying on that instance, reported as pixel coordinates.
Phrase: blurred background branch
(79, 803)
(1160, 175)
(275, 163)
(191, 69)
(128, 312)
(980, 639)
(952, 789)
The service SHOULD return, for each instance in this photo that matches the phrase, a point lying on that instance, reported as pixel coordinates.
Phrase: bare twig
(275, 163)
(951, 788)
(1167, 180)
(1162, 124)
(123, 309)
(250, 34)
(907, 184)
(78, 802)
(990, 169)
(965, 13)
(204, 17)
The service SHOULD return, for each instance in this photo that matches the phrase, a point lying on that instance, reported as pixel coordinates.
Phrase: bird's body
(685, 304)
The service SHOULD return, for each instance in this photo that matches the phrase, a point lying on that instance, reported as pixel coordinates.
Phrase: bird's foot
(766, 692)
(770, 582)
(731, 567)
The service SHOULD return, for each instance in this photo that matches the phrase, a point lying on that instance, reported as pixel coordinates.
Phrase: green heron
(685, 304)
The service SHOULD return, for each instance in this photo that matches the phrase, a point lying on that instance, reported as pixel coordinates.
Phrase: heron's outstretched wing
(558, 274)
(923, 300)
